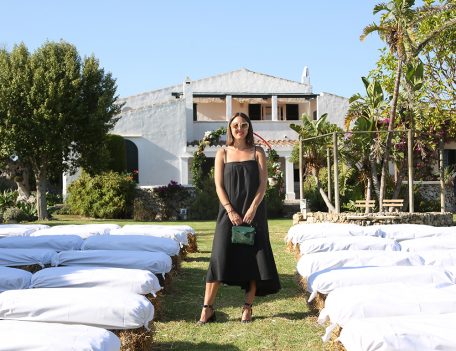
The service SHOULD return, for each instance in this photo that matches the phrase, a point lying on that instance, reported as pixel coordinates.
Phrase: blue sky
(149, 45)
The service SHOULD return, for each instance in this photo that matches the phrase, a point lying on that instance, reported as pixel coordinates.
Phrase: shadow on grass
(184, 298)
(197, 259)
(180, 345)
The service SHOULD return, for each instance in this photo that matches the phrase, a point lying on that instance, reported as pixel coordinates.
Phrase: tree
(364, 150)
(55, 111)
(398, 28)
(314, 151)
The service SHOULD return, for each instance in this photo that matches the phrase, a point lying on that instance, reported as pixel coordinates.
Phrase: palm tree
(314, 150)
(364, 149)
(398, 28)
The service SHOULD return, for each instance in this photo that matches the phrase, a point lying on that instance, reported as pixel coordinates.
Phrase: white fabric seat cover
(315, 262)
(39, 336)
(427, 332)
(104, 308)
(300, 232)
(23, 257)
(445, 242)
(401, 232)
(133, 280)
(52, 242)
(82, 230)
(12, 278)
(438, 257)
(156, 262)
(327, 281)
(170, 232)
(132, 243)
(383, 300)
(188, 229)
(19, 229)
(348, 243)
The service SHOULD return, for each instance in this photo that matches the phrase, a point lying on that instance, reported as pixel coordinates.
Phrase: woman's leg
(249, 297)
(209, 299)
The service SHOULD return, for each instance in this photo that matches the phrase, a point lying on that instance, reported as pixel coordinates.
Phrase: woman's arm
(220, 188)
(261, 157)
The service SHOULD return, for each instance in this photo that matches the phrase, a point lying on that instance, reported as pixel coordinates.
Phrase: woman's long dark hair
(229, 135)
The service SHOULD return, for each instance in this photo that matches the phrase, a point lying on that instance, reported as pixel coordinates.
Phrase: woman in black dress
(240, 181)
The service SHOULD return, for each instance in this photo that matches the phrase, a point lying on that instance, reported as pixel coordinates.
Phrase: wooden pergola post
(336, 174)
(442, 177)
(328, 166)
(410, 170)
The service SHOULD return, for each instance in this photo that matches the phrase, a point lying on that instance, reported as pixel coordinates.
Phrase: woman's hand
(249, 215)
(235, 218)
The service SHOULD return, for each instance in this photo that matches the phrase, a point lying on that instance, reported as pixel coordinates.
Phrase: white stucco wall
(335, 106)
(160, 135)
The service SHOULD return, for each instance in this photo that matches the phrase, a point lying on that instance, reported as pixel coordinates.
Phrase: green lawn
(281, 321)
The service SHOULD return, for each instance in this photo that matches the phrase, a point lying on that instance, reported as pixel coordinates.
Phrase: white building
(163, 127)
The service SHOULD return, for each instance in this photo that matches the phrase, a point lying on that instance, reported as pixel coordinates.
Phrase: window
(195, 113)
(451, 157)
(255, 111)
(314, 115)
(292, 112)
(132, 159)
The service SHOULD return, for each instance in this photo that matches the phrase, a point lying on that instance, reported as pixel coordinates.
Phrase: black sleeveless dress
(235, 264)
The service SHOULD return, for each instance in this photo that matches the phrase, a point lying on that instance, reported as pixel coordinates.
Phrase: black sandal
(211, 319)
(247, 306)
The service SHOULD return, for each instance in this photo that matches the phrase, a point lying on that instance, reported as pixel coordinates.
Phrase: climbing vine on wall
(199, 158)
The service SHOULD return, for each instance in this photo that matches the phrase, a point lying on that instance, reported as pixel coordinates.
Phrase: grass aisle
(281, 321)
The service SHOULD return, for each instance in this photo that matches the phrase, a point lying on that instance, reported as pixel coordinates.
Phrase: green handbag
(241, 234)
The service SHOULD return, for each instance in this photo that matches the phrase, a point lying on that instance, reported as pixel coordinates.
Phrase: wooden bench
(363, 204)
(396, 204)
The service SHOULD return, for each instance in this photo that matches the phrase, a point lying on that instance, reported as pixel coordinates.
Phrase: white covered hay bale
(12, 278)
(156, 262)
(348, 243)
(82, 230)
(324, 282)
(51, 242)
(320, 261)
(408, 231)
(385, 300)
(430, 332)
(104, 308)
(37, 336)
(133, 280)
(132, 243)
(7, 230)
(24, 257)
(444, 242)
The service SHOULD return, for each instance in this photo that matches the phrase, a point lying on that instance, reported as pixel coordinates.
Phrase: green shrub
(274, 202)
(205, 204)
(145, 207)
(8, 199)
(107, 195)
(29, 210)
(14, 215)
(170, 199)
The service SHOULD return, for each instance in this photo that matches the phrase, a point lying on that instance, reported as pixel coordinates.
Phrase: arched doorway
(131, 151)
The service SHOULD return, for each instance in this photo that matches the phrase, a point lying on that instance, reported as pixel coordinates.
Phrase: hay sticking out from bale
(192, 244)
(319, 301)
(176, 264)
(139, 339)
(294, 249)
(333, 344)
(32, 268)
(156, 302)
(317, 304)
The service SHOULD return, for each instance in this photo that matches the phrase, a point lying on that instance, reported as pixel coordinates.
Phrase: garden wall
(437, 219)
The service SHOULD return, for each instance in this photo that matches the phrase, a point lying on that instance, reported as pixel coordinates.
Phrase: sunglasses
(243, 125)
